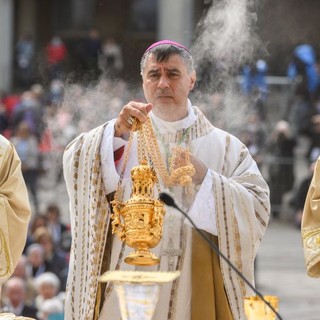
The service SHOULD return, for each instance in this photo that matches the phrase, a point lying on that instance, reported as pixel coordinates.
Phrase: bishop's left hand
(200, 168)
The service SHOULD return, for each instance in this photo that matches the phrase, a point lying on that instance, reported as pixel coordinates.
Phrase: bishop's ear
(193, 78)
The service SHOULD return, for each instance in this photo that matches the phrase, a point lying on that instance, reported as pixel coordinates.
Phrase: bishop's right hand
(133, 109)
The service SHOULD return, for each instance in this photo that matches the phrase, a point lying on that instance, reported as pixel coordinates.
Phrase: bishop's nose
(163, 82)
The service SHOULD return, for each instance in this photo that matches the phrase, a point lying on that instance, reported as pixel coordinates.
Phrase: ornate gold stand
(138, 292)
(256, 309)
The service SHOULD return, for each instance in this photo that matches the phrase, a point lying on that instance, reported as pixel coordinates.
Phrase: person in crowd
(281, 147)
(4, 119)
(9, 101)
(21, 268)
(304, 74)
(51, 309)
(229, 201)
(35, 265)
(254, 84)
(56, 228)
(25, 60)
(56, 54)
(55, 259)
(91, 51)
(111, 58)
(37, 221)
(55, 92)
(14, 298)
(28, 109)
(254, 137)
(14, 209)
(22, 271)
(26, 145)
(38, 91)
(303, 65)
(47, 286)
(310, 225)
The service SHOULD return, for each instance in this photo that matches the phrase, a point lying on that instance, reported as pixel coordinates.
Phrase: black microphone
(168, 200)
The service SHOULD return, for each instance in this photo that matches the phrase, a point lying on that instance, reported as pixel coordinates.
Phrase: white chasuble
(238, 211)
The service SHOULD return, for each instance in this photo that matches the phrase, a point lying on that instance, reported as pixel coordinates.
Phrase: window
(143, 16)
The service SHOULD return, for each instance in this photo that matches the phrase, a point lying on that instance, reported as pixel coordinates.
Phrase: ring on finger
(130, 121)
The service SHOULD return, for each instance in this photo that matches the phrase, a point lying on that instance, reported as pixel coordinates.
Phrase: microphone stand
(168, 200)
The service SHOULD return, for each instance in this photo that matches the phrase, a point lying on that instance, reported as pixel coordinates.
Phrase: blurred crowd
(298, 123)
(89, 56)
(41, 118)
(36, 288)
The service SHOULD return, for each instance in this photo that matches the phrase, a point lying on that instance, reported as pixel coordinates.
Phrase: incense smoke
(227, 34)
(225, 41)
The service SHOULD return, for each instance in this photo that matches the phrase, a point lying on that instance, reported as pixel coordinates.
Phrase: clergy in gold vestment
(14, 210)
(230, 202)
(310, 226)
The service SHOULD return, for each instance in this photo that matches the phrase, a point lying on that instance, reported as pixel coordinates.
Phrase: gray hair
(163, 52)
(35, 247)
(47, 278)
(14, 282)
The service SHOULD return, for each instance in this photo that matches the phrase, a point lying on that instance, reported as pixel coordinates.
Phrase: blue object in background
(255, 78)
(306, 54)
(56, 316)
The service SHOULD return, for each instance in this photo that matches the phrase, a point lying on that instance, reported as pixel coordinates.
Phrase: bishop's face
(167, 85)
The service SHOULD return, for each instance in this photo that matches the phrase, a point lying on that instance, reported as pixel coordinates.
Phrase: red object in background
(10, 101)
(45, 145)
(56, 53)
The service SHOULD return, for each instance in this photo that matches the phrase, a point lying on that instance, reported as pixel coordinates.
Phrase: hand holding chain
(139, 220)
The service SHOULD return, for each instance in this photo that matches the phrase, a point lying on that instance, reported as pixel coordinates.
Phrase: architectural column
(27, 16)
(6, 40)
(176, 20)
(82, 13)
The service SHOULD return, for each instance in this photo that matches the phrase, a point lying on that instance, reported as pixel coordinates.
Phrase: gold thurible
(138, 221)
(142, 216)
